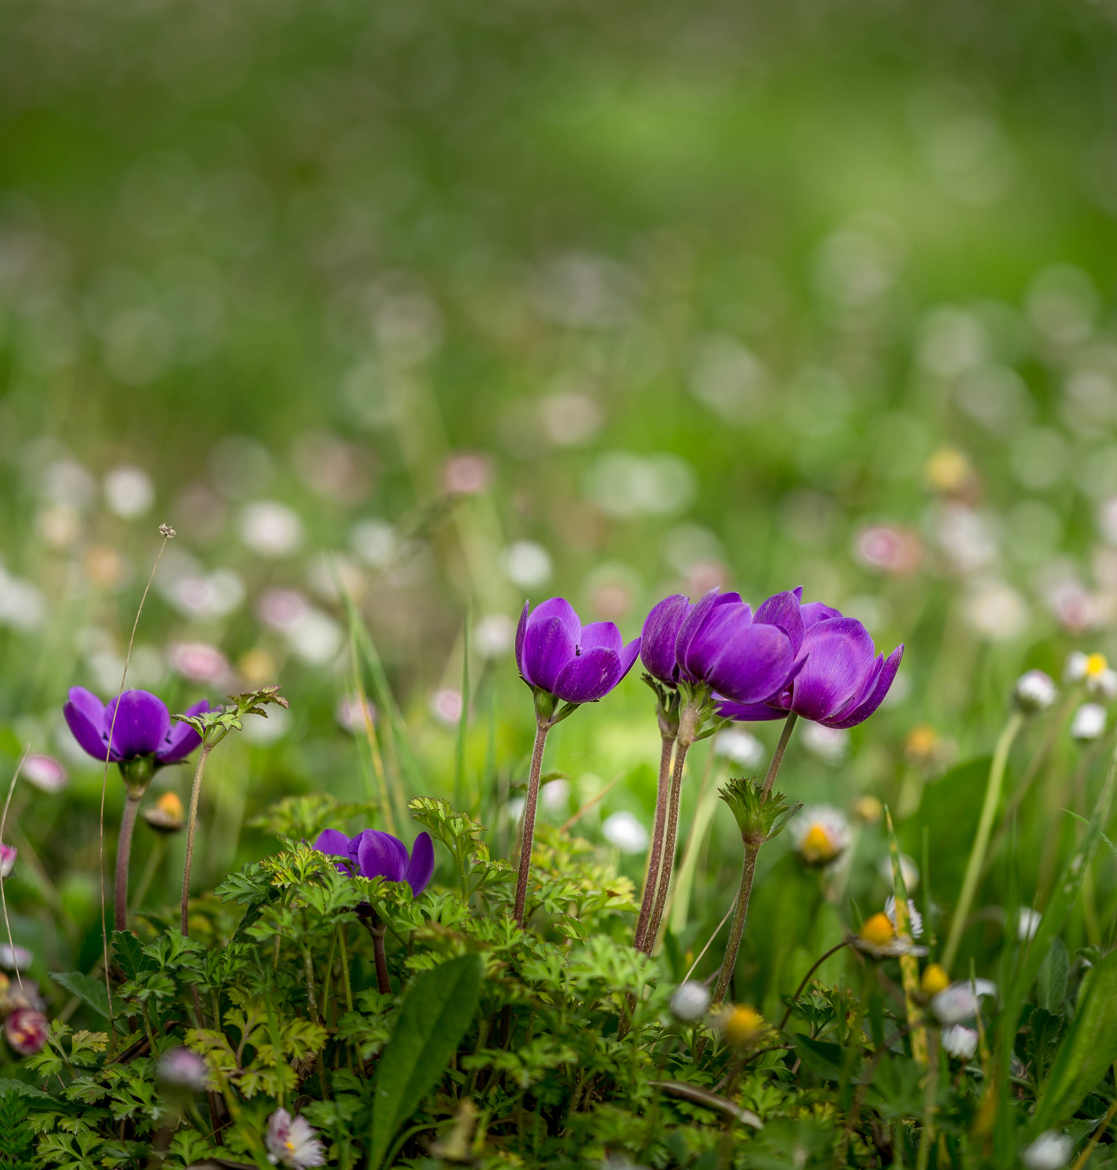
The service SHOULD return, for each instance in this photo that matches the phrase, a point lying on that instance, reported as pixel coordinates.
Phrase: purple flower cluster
(372, 854)
(786, 657)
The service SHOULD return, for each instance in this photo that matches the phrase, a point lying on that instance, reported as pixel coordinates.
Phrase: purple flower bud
(8, 855)
(142, 727)
(575, 663)
(374, 854)
(26, 1031)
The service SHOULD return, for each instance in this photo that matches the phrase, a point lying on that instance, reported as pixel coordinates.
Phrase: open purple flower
(718, 641)
(142, 728)
(372, 854)
(842, 679)
(575, 663)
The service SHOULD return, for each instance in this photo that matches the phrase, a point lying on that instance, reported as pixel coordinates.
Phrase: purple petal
(600, 636)
(628, 657)
(750, 712)
(379, 854)
(696, 621)
(182, 739)
(588, 677)
(549, 644)
(660, 633)
(784, 610)
(421, 865)
(141, 723)
(869, 702)
(85, 714)
(708, 641)
(334, 844)
(840, 655)
(752, 665)
(520, 628)
(814, 612)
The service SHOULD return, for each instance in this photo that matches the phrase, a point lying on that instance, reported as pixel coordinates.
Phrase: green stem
(528, 837)
(748, 870)
(192, 820)
(123, 853)
(688, 727)
(981, 840)
(655, 853)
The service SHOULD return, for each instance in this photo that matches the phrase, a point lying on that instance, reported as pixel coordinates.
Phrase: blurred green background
(461, 305)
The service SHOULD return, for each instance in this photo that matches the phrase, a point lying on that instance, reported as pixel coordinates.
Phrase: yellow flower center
(290, 1145)
(742, 1026)
(817, 845)
(869, 809)
(935, 979)
(877, 930)
(948, 470)
(170, 804)
(1096, 666)
(921, 741)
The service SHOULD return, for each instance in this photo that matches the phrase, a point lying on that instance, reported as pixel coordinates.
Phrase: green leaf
(89, 990)
(436, 1012)
(1087, 1050)
(127, 951)
(1051, 981)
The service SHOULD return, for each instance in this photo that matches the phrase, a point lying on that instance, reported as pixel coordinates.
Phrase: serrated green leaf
(436, 1012)
(1086, 1052)
(89, 990)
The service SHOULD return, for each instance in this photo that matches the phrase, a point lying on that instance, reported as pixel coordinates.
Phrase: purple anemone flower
(143, 727)
(372, 854)
(575, 663)
(720, 642)
(841, 681)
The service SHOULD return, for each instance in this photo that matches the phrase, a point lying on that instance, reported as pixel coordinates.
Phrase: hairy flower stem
(192, 820)
(542, 726)
(748, 872)
(123, 853)
(655, 854)
(688, 732)
(981, 839)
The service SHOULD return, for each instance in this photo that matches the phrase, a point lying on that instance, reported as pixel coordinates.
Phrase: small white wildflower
(1094, 671)
(375, 542)
(44, 772)
(961, 1001)
(625, 831)
(820, 834)
(270, 528)
(1088, 722)
(199, 662)
(555, 793)
(690, 1001)
(494, 635)
(830, 744)
(960, 1041)
(129, 491)
(446, 706)
(353, 714)
(267, 731)
(292, 1142)
(15, 958)
(179, 1068)
(1027, 923)
(915, 919)
(8, 854)
(314, 637)
(1035, 691)
(527, 564)
(740, 747)
(1050, 1151)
